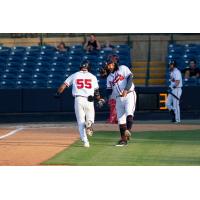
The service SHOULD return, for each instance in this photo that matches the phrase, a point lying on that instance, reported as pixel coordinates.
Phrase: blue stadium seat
(39, 75)
(77, 46)
(77, 52)
(8, 75)
(27, 64)
(24, 75)
(59, 65)
(30, 59)
(33, 48)
(44, 59)
(23, 83)
(34, 53)
(9, 83)
(51, 83)
(60, 59)
(2, 66)
(74, 58)
(48, 48)
(54, 75)
(37, 83)
(4, 53)
(17, 59)
(3, 59)
(49, 53)
(43, 64)
(15, 65)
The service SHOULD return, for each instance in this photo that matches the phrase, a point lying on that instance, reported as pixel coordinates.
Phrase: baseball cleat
(128, 134)
(86, 144)
(89, 129)
(121, 143)
(172, 113)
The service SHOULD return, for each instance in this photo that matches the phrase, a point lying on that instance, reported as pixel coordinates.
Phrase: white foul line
(11, 133)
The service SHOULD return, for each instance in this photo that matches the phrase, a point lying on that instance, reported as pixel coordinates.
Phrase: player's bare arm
(60, 90)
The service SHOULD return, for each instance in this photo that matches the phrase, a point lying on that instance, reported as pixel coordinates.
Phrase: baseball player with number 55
(84, 88)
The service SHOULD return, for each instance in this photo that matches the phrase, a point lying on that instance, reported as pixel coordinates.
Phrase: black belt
(80, 96)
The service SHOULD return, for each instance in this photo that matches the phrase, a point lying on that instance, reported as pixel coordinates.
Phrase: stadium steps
(157, 73)
(139, 73)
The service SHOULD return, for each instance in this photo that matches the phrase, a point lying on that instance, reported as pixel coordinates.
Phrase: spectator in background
(92, 44)
(108, 46)
(62, 47)
(192, 71)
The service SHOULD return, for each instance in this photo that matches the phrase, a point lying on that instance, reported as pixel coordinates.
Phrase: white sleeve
(177, 76)
(108, 83)
(126, 71)
(69, 80)
(96, 85)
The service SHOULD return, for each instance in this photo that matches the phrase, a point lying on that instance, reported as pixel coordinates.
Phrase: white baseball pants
(84, 111)
(125, 106)
(173, 104)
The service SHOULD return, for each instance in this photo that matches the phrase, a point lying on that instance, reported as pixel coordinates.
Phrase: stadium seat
(17, 59)
(30, 65)
(8, 75)
(43, 64)
(39, 75)
(49, 53)
(51, 83)
(4, 53)
(3, 59)
(32, 59)
(24, 76)
(10, 83)
(23, 83)
(48, 48)
(60, 59)
(38, 83)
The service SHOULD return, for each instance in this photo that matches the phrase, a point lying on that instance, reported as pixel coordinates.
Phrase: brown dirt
(37, 143)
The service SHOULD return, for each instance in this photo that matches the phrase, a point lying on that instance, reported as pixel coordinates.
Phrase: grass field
(166, 148)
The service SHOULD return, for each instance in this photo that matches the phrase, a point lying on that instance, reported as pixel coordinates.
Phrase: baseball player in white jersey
(84, 88)
(175, 92)
(120, 84)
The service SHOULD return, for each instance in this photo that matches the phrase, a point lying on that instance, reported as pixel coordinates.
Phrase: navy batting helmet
(113, 59)
(173, 62)
(85, 65)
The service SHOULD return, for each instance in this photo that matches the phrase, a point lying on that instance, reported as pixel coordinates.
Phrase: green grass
(166, 148)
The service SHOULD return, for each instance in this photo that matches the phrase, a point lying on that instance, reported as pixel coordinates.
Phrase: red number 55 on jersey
(84, 83)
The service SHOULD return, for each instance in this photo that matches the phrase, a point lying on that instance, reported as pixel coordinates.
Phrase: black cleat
(121, 143)
(172, 115)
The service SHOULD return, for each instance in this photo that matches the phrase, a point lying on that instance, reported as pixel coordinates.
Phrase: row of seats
(45, 67)
(182, 54)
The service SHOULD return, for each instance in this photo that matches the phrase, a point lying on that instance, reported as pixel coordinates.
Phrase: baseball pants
(173, 103)
(84, 111)
(125, 106)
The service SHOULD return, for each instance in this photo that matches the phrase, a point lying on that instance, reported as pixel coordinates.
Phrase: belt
(80, 96)
(127, 93)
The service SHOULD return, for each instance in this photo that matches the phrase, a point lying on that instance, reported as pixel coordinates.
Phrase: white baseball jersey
(175, 75)
(118, 80)
(83, 83)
